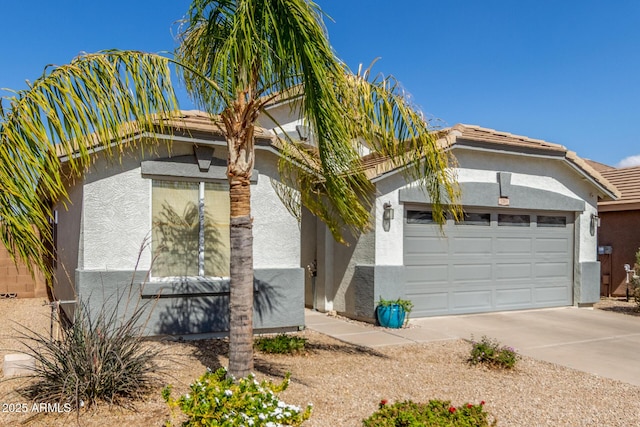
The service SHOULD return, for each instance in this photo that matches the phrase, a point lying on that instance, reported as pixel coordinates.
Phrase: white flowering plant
(216, 400)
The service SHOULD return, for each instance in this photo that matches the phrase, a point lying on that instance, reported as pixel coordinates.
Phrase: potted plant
(393, 313)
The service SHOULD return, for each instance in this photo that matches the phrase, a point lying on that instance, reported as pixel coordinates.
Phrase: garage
(528, 238)
(490, 260)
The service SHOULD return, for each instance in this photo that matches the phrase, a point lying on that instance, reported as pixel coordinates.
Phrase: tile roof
(486, 135)
(627, 180)
(490, 138)
(598, 166)
(187, 121)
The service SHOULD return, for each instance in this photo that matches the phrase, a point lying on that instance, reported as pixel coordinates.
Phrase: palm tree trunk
(241, 272)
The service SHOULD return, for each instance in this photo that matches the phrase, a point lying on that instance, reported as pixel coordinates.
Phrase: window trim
(526, 224)
(475, 223)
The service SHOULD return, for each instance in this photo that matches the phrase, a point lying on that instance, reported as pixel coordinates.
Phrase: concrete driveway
(595, 341)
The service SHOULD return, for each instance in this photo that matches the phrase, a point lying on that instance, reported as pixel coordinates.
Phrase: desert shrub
(489, 352)
(216, 400)
(435, 413)
(98, 358)
(281, 344)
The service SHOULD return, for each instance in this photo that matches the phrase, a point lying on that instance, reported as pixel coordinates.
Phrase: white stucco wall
(276, 233)
(479, 166)
(116, 222)
(389, 244)
(285, 117)
(117, 217)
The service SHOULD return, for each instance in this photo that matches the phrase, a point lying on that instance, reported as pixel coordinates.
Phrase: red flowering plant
(435, 413)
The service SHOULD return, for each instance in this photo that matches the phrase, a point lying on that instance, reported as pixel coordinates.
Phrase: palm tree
(236, 57)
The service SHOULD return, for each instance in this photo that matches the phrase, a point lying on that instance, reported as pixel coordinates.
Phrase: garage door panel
(545, 270)
(475, 300)
(480, 269)
(429, 304)
(427, 273)
(471, 272)
(425, 259)
(425, 245)
(552, 245)
(471, 245)
(513, 245)
(513, 270)
(552, 295)
(514, 297)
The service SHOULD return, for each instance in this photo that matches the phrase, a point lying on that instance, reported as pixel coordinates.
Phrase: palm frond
(70, 110)
(394, 128)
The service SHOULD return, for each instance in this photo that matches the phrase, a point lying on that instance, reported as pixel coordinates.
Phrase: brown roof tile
(627, 180)
(600, 167)
(486, 135)
(187, 121)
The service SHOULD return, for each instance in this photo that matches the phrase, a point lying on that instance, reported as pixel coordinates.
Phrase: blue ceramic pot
(391, 316)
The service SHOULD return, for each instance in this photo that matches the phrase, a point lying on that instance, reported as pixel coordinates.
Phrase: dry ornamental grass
(345, 383)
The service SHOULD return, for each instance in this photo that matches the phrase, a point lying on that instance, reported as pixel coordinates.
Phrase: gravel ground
(345, 383)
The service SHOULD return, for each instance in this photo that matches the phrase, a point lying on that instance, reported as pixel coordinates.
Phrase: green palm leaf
(71, 111)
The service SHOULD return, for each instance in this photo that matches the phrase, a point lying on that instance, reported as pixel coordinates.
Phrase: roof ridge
(511, 135)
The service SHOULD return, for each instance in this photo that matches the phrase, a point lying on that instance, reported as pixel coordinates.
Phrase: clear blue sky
(564, 71)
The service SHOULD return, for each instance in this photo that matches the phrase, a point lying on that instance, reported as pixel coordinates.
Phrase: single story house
(132, 229)
(619, 232)
(527, 239)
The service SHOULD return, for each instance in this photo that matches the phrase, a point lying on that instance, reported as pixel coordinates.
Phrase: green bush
(491, 353)
(216, 400)
(436, 413)
(281, 344)
(98, 358)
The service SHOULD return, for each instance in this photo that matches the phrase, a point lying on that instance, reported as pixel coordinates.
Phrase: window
(420, 217)
(510, 220)
(551, 221)
(190, 229)
(470, 218)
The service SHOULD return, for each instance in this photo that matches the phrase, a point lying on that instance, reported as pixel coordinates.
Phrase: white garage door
(490, 261)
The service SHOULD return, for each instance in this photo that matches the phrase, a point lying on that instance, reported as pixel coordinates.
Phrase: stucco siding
(117, 222)
(109, 218)
(389, 244)
(276, 231)
(68, 242)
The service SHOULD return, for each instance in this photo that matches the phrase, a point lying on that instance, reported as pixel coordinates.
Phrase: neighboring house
(157, 223)
(16, 281)
(528, 238)
(619, 232)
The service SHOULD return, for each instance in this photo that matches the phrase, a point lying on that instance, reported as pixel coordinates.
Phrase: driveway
(600, 342)
(595, 341)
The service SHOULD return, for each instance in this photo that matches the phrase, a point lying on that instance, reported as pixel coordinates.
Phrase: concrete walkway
(595, 341)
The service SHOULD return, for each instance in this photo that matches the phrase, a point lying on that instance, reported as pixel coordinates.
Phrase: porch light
(387, 216)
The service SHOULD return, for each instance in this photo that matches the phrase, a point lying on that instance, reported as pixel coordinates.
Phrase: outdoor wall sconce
(387, 216)
(595, 222)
